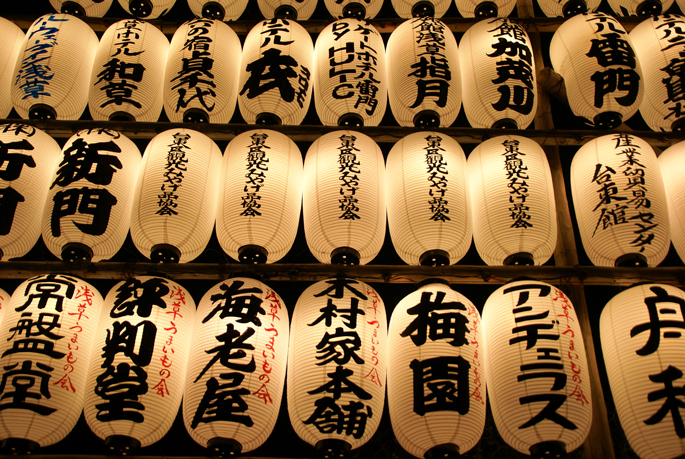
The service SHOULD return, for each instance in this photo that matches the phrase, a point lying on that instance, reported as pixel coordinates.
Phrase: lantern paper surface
(536, 366)
(4, 304)
(672, 164)
(343, 195)
(260, 194)
(640, 8)
(302, 9)
(428, 201)
(243, 314)
(567, 8)
(620, 200)
(426, 355)
(404, 8)
(13, 37)
(138, 370)
(147, 9)
(368, 9)
(51, 322)
(512, 200)
(326, 380)
(223, 10)
(90, 8)
(472, 8)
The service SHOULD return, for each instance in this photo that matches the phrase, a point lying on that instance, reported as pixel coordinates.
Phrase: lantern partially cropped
(4, 304)
(13, 37)
(350, 86)
(353, 9)
(260, 195)
(643, 8)
(512, 202)
(436, 382)
(90, 8)
(322, 380)
(147, 9)
(672, 165)
(221, 10)
(568, 8)
(620, 202)
(428, 203)
(604, 87)
(244, 314)
(343, 199)
(174, 204)
(52, 70)
(538, 383)
(48, 330)
(420, 8)
(485, 9)
(299, 10)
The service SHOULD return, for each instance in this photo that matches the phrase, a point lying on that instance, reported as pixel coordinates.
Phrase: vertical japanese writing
(373, 339)
(349, 168)
(195, 80)
(177, 297)
(256, 165)
(432, 71)
(269, 350)
(517, 174)
(437, 176)
(673, 37)
(573, 356)
(13, 160)
(176, 165)
(477, 392)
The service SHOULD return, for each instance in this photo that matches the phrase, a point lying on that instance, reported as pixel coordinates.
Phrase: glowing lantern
(258, 208)
(365, 9)
(174, 205)
(245, 311)
(90, 8)
(420, 8)
(538, 384)
(221, 10)
(343, 198)
(147, 9)
(347, 93)
(642, 8)
(44, 377)
(620, 202)
(512, 202)
(672, 164)
(299, 10)
(485, 9)
(13, 37)
(329, 312)
(52, 70)
(429, 209)
(567, 8)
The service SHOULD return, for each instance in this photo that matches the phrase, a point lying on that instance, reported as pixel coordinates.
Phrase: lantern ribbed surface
(302, 8)
(13, 37)
(232, 9)
(404, 8)
(4, 304)
(672, 164)
(338, 8)
(155, 9)
(467, 8)
(554, 8)
(636, 8)
(90, 8)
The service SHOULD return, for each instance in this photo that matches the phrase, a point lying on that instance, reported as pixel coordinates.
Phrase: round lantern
(485, 9)
(620, 202)
(258, 210)
(672, 165)
(429, 209)
(147, 9)
(567, 8)
(50, 325)
(299, 10)
(642, 8)
(90, 8)
(350, 79)
(343, 198)
(28, 157)
(221, 10)
(174, 204)
(604, 87)
(126, 81)
(88, 208)
(240, 346)
(420, 8)
(356, 9)
(200, 83)
(436, 382)
(424, 77)
(275, 73)
(337, 365)
(536, 369)
(13, 37)
(512, 202)
(52, 70)
(498, 75)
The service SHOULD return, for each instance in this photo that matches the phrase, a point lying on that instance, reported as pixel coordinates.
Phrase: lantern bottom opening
(631, 260)
(72, 8)
(213, 10)
(520, 259)
(140, 8)
(434, 258)
(121, 116)
(252, 254)
(505, 123)
(285, 12)
(195, 115)
(423, 9)
(224, 447)
(649, 8)
(573, 8)
(351, 120)
(42, 112)
(427, 118)
(486, 10)
(332, 449)
(608, 120)
(75, 252)
(548, 450)
(444, 451)
(165, 253)
(268, 118)
(122, 445)
(354, 10)
(345, 256)
(16, 446)
(678, 125)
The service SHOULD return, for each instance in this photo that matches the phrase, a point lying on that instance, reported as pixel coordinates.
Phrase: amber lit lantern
(221, 10)
(354, 9)
(147, 9)
(672, 164)
(567, 8)
(13, 37)
(642, 8)
(90, 8)
(485, 9)
(299, 10)
(4, 304)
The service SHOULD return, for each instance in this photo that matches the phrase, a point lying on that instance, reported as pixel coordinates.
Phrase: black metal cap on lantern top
(608, 120)
(75, 252)
(121, 445)
(213, 10)
(486, 10)
(649, 8)
(332, 449)
(140, 8)
(423, 9)
(351, 120)
(224, 447)
(121, 116)
(520, 259)
(268, 118)
(17, 446)
(42, 112)
(548, 450)
(427, 119)
(505, 123)
(444, 451)
(252, 254)
(678, 125)
(354, 10)
(434, 258)
(573, 8)
(195, 115)
(285, 12)
(345, 256)
(631, 260)
(72, 8)
(165, 253)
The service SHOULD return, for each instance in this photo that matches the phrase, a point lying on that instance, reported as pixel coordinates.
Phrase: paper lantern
(424, 77)
(300, 10)
(48, 334)
(644, 354)
(421, 8)
(350, 80)
(13, 37)
(343, 198)
(147, 9)
(536, 369)
(512, 202)
(498, 75)
(174, 204)
(275, 73)
(337, 364)
(567, 8)
(88, 208)
(28, 157)
(240, 347)
(604, 87)
(200, 83)
(620, 202)
(90, 8)
(258, 210)
(436, 382)
(429, 209)
(364, 9)
(642, 8)
(52, 70)
(672, 165)
(221, 10)
(485, 9)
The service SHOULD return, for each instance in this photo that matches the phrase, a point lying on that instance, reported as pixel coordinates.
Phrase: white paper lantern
(421, 8)
(52, 70)
(4, 304)
(512, 202)
(644, 355)
(343, 198)
(258, 210)
(90, 8)
(485, 9)
(299, 10)
(13, 37)
(428, 204)
(174, 204)
(249, 319)
(357, 9)
(88, 208)
(221, 10)
(275, 73)
(424, 76)
(536, 368)
(350, 78)
(567, 8)
(642, 8)
(604, 87)
(138, 369)
(28, 157)
(126, 81)
(620, 202)
(337, 364)
(672, 165)
(147, 9)
(48, 334)
(200, 82)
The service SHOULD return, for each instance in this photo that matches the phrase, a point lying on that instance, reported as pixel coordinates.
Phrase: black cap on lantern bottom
(423, 9)
(648, 8)
(548, 450)
(444, 451)
(42, 112)
(345, 256)
(268, 118)
(140, 8)
(213, 10)
(608, 120)
(520, 259)
(486, 10)
(354, 10)
(332, 449)
(252, 254)
(434, 258)
(678, 125)
(573, 8)
(16, 446)
(505, 123)
(351, 120)
(75, 252)
(165, 253)
(121, 445)
(427, 119)
(72, 8)
(121, 116)
(195, 115)
(631, 260)
(224, 447)
(285, 12)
